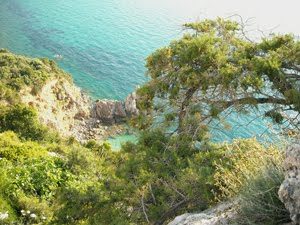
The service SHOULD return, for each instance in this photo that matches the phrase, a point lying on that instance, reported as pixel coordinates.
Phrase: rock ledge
(221, 214)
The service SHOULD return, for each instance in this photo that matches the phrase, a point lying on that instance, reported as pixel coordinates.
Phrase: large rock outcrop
(222, 214)
(105, 111)
(289, 191)
(112, 112)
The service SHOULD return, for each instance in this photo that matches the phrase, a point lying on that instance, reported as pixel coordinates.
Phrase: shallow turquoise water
(103, 42)
(117, 141)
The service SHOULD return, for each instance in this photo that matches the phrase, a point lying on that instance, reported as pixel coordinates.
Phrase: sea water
(104, 43)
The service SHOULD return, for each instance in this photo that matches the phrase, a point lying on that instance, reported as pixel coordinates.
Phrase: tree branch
(144, 209)
(271, 100)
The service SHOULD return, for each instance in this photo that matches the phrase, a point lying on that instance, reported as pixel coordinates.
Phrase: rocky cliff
(60, 105)
(65, 108)
(289, 191)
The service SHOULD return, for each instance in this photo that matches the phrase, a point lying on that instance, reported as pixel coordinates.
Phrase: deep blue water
(104, 43)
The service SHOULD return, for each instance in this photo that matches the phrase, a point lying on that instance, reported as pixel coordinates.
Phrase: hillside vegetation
(19, 73)
(48, 178)
(39, 85)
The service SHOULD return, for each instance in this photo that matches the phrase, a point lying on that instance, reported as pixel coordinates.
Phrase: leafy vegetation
(18, 73)
(244, 161)
(152, 184)
(23, 120)
(33, 174)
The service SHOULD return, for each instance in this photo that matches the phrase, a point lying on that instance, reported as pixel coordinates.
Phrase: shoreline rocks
(107, 118)
(112, 112)
(130, 105)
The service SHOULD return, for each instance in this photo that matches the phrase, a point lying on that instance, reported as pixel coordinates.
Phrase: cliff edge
(60, 104)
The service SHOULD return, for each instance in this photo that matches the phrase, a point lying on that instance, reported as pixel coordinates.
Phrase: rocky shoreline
(112, 112)
(107, 118)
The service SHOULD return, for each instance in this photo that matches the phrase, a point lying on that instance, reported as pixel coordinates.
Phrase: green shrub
(18, 72)
(32, 205)
(240, 162)
(5, 207)
(259, 201)
(162, 176)
(31, 176)
(5, 203)
(22, 120)
(103, 149)
(8, 95)
(251, 173)
(11, 148)
(39, 177)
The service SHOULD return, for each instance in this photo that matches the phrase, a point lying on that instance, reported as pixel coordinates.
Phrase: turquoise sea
(104, 43)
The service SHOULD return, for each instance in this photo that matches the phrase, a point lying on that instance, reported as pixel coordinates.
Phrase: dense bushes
(163, 182)
(146, 182)
(34, 174)
(13, 149)
(23, 120)
(252, 176)
(152, 183)
(240, 163)
(19, 72)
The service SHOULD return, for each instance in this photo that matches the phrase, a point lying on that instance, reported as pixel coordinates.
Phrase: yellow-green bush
(240, 163)
(12, 148)
(252, 173)
(22, 120)
(259, 203)
(5, 207)
(29, 205)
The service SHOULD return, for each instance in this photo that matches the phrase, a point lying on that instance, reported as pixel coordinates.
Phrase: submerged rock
(289, 191)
